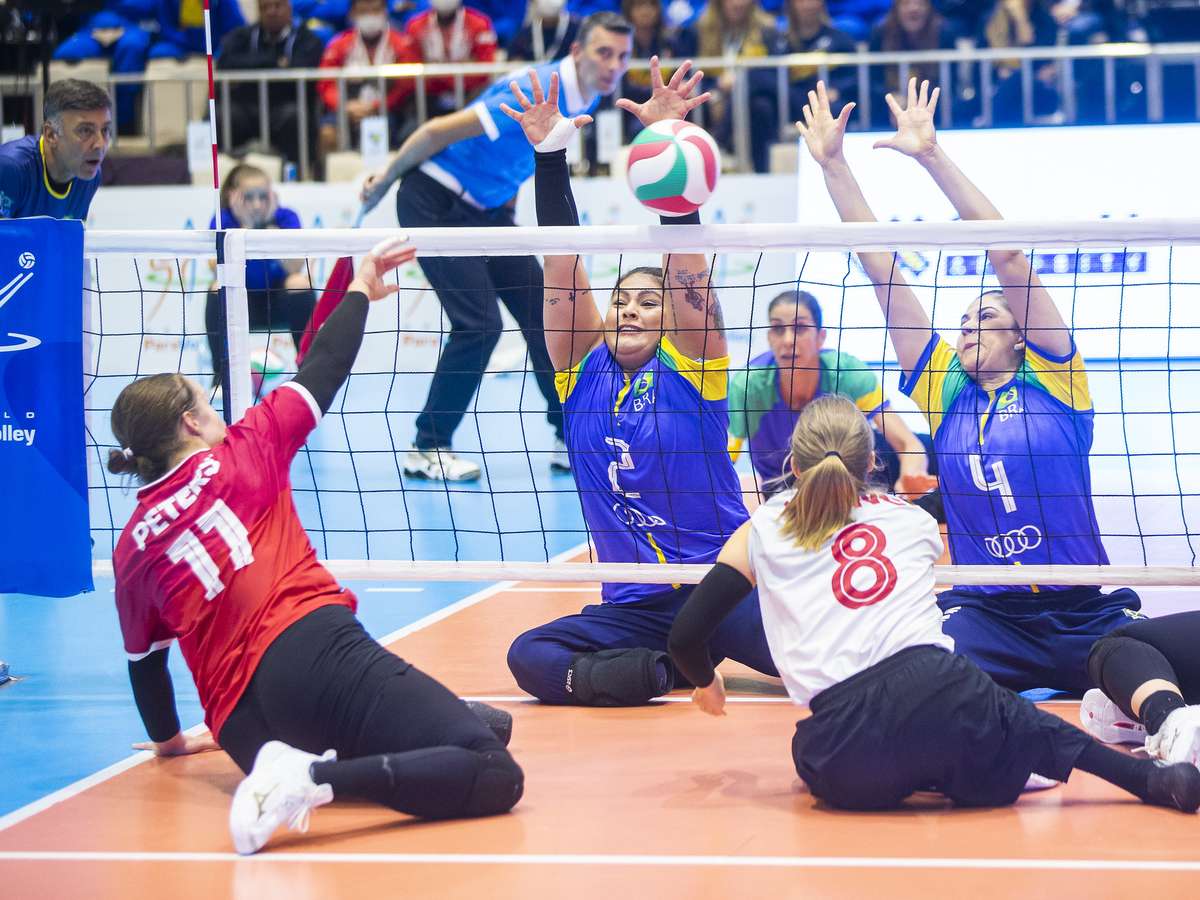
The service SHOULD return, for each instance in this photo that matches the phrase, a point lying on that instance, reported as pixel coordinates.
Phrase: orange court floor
(660, 801)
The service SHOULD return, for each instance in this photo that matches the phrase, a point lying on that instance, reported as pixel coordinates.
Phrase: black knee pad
(1119, 665)
(626, 677)
(498, 720)
(498, 786)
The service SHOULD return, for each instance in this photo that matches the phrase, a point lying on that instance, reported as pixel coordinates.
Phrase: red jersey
(215, 555)
(349, 49)
(468, 38)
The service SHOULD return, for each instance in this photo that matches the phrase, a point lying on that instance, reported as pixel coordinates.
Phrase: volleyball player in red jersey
(216, 558)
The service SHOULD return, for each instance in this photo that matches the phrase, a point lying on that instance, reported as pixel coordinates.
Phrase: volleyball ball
(673, 167)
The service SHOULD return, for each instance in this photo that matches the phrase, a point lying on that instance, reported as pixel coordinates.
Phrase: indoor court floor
(659, 801)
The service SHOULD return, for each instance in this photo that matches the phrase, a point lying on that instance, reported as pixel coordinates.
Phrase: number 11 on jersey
(187, 547)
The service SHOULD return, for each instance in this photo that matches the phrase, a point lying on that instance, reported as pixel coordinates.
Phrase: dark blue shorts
(1042, 640)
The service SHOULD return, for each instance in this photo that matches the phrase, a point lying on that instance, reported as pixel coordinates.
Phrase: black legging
(270, 310)
(1167, 648)
(402, 739)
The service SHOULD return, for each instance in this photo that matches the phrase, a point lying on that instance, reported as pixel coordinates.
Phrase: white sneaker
(1037, 782)
(278, 789)
(559, 460)
(1178, 740)
(440, 465)
(1103, 720)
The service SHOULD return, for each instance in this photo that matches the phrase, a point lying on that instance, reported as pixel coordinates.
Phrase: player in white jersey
(845, 580)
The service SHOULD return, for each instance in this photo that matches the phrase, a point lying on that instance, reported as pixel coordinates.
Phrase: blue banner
(45, 547)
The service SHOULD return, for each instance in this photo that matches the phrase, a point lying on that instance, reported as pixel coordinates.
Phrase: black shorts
(327, 684)
(926, 719)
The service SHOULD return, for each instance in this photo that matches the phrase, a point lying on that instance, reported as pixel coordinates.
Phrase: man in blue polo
(464, 170)
(57, 172)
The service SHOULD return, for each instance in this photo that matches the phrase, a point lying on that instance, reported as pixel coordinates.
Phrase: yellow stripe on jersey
(710, 377)
(1066, 381)
(662, 557)
(191, 13)
(869, 403)
(46, 175)
(735, 447)
(564, 382)
(929, 389)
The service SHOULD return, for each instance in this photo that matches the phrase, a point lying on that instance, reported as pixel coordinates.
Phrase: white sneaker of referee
(278, 789)
(440, 465)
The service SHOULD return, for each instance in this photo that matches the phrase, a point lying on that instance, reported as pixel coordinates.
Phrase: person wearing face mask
(276, 41)
(449, 32)
(548, 33)
(464, 170)
(370, 41)
(1012, 420)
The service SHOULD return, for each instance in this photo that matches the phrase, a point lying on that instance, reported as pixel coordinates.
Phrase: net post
(231, 276)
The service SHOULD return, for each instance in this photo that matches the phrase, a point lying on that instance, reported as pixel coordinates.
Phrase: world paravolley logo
(14, 341)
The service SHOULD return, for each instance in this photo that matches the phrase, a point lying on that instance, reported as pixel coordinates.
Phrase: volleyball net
(1129, 291)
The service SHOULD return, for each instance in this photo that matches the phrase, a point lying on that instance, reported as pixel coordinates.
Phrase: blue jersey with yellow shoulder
(648, 450)
(1012, 462)
(26, 189)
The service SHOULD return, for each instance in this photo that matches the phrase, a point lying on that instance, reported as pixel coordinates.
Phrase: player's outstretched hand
(544, 126)
(915, 135)
(384, 257)
(373, 190)
(821, 131)
(711, 699)
(672, 100)
(181, 745)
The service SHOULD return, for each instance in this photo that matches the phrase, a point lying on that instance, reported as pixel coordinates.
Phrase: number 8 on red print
(858, 550)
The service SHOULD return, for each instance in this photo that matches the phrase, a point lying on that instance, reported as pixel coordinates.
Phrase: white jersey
(866, 594)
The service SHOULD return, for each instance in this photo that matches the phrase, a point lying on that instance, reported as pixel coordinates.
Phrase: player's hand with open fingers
(821, 130)
(545, 127)
(915, 133)
(711, 699)
(384, 257)
(672, 100)
(182, 744)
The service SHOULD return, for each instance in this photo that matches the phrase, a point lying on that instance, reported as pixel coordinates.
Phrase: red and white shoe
(1103, 720)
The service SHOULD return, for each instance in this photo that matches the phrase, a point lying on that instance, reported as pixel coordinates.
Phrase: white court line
(616, 859)
(135, 759)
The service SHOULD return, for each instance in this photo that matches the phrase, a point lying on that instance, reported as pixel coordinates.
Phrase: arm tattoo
(706, 301)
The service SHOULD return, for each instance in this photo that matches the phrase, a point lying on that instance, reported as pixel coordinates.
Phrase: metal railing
(960, 71)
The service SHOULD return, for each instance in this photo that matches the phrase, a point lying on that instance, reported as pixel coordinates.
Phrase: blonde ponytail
(831, 453)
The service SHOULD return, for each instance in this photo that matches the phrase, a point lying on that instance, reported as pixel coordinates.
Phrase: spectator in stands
(125, 31)
(548, 32)
(370, 41)
(449, 32)
(810, 30)
(280, 294)
(738, 29)
(910, 25)
(858, 17)
(277, 41)
(507, 17)
(1011, 24)
(324, 18)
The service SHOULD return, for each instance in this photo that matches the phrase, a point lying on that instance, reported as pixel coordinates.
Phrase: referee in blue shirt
(58, 172)
(464, 170)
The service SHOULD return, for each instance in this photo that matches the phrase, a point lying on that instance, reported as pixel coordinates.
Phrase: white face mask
(445, 6)
(371, 26)
(549, 9)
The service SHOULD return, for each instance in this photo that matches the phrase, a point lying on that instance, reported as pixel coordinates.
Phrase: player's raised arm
(908, 325)
(334, 349)
(571, 321)
(1030, 303)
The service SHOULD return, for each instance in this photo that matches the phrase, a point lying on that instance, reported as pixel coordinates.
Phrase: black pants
(926, 719)
(402, 738)
(1119, 673)
(270, 310)
(467, 288)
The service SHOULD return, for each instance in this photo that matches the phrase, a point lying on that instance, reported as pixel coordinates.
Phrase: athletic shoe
(496, 719)
(559, 460)
(278, 789)
(1037, 782)
(1178, 739)
(1176, 786)
(440, 465)
(1103, 720)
